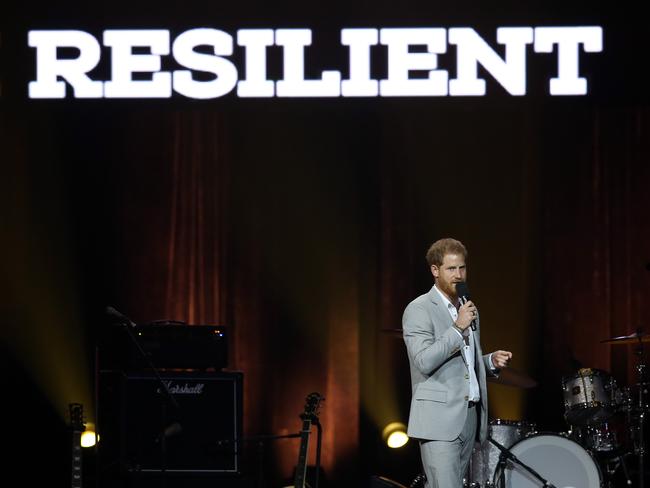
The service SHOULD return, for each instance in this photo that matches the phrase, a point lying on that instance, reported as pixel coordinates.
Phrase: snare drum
(485, 458)
(559, 460)
(589, 396)
(607, 439)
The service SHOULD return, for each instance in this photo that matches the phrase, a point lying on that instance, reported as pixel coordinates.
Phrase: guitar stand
(507, 455)
(319, 429)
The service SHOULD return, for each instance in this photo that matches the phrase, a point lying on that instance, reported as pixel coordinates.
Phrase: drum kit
(606, 426)
(605, 431)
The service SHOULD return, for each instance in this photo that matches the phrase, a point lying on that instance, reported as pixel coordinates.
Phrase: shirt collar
(445, 300)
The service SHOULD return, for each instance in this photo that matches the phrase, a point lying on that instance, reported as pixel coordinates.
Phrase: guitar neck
(301, 468)
(76, 475)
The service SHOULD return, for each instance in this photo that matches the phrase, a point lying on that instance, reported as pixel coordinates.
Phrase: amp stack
(168, 409)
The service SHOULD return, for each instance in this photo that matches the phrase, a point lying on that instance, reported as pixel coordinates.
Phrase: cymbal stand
(642, 384)
(617, 461)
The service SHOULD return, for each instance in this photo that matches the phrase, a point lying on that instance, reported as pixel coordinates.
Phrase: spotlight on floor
(89, 437)
(394, 435)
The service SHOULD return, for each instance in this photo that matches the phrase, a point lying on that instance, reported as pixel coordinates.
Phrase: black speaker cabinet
(195, 433)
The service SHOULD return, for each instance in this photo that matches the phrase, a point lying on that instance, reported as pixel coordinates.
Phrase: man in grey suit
(448, 369)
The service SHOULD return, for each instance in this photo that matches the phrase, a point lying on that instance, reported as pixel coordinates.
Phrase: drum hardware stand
(505, 455)
(419, 481)
(640, 368)
(620, 459)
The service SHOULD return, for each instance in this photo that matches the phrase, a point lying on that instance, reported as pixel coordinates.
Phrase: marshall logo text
(185, 389)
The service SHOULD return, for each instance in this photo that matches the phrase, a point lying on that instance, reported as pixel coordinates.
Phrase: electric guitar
(309, 416)
(77, 428)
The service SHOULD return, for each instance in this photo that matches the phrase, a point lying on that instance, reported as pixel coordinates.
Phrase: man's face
(451, 271)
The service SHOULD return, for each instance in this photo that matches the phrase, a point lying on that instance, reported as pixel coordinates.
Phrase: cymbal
(512, 377)
(635, 338)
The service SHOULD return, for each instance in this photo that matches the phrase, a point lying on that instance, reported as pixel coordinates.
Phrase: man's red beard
(449, 289)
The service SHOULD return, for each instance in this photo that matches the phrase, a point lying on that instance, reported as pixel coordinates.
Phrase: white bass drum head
(559, 460)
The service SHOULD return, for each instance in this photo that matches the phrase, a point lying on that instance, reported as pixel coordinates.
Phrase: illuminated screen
(471, 51)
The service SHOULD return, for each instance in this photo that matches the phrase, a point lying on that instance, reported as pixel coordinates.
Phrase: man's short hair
(442, 247)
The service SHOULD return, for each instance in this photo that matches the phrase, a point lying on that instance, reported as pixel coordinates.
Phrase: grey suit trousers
(445, 462)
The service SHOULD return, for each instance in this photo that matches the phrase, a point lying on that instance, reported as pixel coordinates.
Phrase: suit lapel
(440, 310)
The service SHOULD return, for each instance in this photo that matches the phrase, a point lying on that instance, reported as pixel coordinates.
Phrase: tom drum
(589, 396)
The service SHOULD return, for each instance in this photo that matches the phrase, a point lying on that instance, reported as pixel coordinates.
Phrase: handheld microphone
(122, 319)
(463, 295)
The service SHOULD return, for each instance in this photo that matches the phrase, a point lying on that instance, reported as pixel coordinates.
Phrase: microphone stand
(166, 395)
(505, 455)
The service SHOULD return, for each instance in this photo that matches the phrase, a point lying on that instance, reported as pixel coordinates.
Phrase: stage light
(89, 437)
(394, 435)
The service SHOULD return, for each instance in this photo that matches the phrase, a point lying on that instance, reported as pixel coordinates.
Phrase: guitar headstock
(312, 405)
(76, 417)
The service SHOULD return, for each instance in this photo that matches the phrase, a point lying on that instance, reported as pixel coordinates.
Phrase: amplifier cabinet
(198, 432)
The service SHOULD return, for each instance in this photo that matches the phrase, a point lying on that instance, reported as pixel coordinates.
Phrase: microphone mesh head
(462, 291)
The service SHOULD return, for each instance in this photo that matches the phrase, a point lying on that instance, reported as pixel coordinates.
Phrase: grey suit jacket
(439, 373)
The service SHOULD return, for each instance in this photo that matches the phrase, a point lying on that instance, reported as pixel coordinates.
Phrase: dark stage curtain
(197, 243)
(170, 201)
(596, 234)
(206, 236)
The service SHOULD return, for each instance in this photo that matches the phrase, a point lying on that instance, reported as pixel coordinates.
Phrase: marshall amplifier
(196, 433)
(183, 346)
(166, 346)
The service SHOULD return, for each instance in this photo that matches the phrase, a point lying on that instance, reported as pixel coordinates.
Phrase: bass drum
(561, 461)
